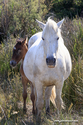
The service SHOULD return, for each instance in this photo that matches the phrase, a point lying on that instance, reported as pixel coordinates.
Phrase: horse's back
(34, 38)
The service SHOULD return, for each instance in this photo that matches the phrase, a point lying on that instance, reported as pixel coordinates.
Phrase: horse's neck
(22, 60)
(26, 49)
(24, 57)
(21, 67)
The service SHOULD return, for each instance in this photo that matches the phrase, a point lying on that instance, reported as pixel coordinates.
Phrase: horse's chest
(48, 80)
(47, 77)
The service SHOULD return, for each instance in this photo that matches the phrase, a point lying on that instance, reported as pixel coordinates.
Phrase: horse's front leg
(47, 98)
(39, 94)
(58, 99)
(33, 99)
(24, 82)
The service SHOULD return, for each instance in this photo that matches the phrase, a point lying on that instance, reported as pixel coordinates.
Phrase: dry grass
(11, 112)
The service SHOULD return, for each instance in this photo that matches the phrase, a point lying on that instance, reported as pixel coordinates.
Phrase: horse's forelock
(50, 27)
(17, 45)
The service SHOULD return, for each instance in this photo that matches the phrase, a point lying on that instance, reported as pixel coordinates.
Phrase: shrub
(18, 17)
(66, 8)
(73, 87)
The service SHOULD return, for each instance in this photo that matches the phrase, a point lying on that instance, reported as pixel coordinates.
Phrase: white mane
(51, 27)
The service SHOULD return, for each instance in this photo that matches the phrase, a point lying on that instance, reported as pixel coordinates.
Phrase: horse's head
(51, 37)
(19, 51)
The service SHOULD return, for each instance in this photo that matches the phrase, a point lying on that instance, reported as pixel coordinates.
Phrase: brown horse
(19, 52)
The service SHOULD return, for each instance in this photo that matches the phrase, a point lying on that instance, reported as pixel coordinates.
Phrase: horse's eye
(19, 43)
(58, 38)
(42, 38)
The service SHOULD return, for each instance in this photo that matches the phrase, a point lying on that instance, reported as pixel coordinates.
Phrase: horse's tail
(53, 96)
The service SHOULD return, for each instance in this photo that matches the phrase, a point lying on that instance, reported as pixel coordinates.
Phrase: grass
(11, 113)
(11, 101)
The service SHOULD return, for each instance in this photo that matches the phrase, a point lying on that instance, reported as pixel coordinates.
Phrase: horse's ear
(25, 41)
(59, 24)
(41, 25)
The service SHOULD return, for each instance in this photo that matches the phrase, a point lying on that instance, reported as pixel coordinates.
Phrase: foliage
(18, 17)
(69, 8)
(10, 95)
(73, 87)
(6, 49)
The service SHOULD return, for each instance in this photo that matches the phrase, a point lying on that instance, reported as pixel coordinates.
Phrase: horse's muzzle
(51, 61)
(13, 63)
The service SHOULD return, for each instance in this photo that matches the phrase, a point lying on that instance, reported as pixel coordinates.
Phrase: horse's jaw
(13, 67)
(13, 63)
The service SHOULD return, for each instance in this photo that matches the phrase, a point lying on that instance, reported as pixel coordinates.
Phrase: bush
(66, 8)
(18, 17)
(73, 87)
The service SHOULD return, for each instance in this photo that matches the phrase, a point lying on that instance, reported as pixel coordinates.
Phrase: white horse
(50, 94)
(48, 62)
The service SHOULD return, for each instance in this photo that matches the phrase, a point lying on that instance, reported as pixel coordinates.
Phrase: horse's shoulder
(63, 54)
(22, 72)
(63, 49)
(65, 59)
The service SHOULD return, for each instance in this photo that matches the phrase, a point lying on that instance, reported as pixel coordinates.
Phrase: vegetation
(69, 8)
(17, 18)
(74, 42)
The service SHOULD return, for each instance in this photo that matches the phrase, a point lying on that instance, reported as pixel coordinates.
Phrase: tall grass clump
(73, 87)
(10, 96)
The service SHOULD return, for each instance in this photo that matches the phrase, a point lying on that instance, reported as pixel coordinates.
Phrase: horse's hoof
(47, 111)
(34, 112)
(24, 110)
(38, 120)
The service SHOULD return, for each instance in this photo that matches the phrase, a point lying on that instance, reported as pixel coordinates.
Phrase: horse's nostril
(54, 60)
(10, 62)
(13, 63)
(47, 60)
